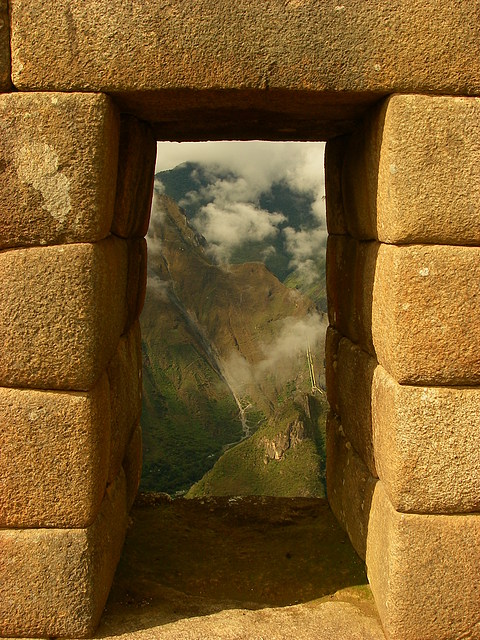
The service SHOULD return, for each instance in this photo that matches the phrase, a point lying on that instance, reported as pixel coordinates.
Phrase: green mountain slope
(285, 457)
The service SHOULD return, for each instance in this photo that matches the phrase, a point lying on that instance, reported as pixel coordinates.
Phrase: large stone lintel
(356, 50)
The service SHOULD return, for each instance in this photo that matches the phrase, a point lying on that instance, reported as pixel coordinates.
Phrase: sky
(233, 213)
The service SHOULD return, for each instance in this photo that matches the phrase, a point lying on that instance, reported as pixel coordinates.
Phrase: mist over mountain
(226, 379)
(280, 221)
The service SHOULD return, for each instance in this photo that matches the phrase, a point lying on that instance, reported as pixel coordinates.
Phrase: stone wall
(403, 436)
(78, 81)
(75, 189)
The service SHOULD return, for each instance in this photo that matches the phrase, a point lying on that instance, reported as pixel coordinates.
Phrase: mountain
(224, 350)
(195, 187)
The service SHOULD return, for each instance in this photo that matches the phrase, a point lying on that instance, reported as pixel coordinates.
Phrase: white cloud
(158, 287)
(281, 355)
(234, 215)
(228, 225)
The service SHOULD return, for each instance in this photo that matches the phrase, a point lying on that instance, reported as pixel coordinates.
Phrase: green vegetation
(188, 414)
(247, 470)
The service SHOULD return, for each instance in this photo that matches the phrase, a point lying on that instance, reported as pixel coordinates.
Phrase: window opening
(234, 322)
(233, 341)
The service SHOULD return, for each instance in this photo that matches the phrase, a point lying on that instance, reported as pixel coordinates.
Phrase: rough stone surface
(334, 159)
(132, 465)
(55, 582)
(359, 50)
(426, 314)
(329, 620)
(125, 377)
(416, 140)
(424, 572)
(355, 371)
(62, 311)
(54, 450)
(264, 554)
(351, 267)
(136, 167)
(137, 279)
(58, 159)
(359, 180)
(427, 443)
(341, 257)
(5, 82)
(349, 485)
(332, 340)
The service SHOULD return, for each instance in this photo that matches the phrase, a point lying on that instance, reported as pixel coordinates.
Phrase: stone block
(62, 311)
(125, 377)
(136, 280)
(334, 159)
(427, 443)
(58, 155)
(355, 371)
(54, 452)
(426, 314)
(350, 278)
(316, 47)
(132, 465)
(341, 256)
(55, 582)
(5, 82)
(412, 172)
(349, 485)
(136, 168)
(332, 340)
(360, 176)
(424, 572)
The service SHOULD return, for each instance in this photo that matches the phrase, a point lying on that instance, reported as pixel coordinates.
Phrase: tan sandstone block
(334, 158)
(427, 444)
(351, 269)
(424, 572)
(360, 176)
(317, 47)
(62, 311)
(340, 261)
(132, 465)
(432, 141)
(58, 154)
(136, 168)
(125, 377)
(137, 279)
(349, 485)
(54, 451)
(355, 372)
(413, 172)
(332, 340)
(55, 582)
(5, 82)
(426, 314)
